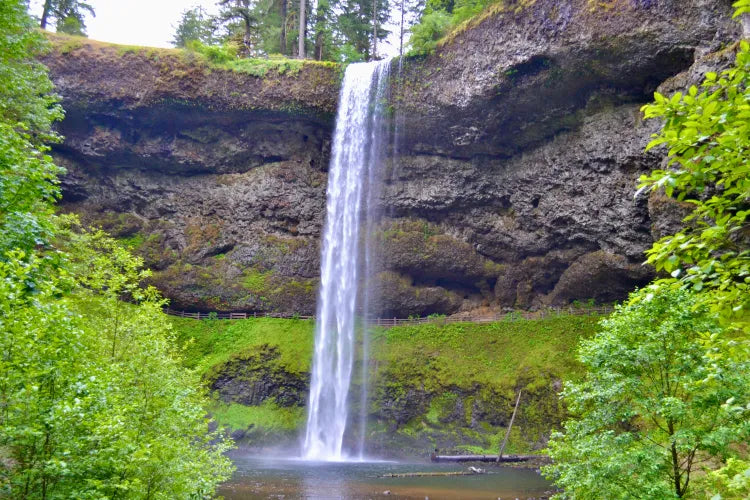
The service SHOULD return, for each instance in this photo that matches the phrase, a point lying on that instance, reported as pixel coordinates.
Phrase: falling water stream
(346, 257)
(329, 471)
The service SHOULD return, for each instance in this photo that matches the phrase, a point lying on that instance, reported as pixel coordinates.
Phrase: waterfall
(346, 256)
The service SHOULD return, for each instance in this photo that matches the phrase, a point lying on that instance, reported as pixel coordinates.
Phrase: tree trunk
(401, 34)
(374, 29)
(319, 46)
(248, 34)
(45, 14)
(282, 41)
(301, 50)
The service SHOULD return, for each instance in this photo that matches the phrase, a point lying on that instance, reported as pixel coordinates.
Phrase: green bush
(647, 415)
(430, 29)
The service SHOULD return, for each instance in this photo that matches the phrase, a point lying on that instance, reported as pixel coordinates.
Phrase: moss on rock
(447, 386)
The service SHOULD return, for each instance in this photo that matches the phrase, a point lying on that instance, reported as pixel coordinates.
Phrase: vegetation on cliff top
(196, 54)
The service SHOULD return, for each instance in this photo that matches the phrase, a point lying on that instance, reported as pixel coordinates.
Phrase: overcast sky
(135, 22)
(152, 22)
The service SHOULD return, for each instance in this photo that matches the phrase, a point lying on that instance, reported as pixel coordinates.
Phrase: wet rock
(481, 92)
(601, 276)
(400, 297)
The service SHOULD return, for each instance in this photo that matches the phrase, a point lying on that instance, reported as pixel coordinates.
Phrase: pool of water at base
(258, 477)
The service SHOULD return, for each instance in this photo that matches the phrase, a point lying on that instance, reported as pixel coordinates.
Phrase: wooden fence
(391, 322)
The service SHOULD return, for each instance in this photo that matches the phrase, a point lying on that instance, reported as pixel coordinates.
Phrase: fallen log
(485, 458)
(422, 474)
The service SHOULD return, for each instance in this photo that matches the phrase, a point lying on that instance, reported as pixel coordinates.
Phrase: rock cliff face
(512, 185)
(216, 177)
(522, 142)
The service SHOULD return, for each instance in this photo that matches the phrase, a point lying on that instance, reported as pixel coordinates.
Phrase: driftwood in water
(485, 458)
(421, 474)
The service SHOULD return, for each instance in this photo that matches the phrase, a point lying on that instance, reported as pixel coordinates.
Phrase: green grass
(133, 242)
(255, 281)
(267, 417)
(210, 342)
(462, 354)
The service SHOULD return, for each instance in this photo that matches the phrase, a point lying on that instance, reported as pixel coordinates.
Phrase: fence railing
(232, 315)
(391, 322)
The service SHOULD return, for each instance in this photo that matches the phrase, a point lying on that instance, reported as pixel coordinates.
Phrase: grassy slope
(442, 359)
(210, 342)
(258, 67)
(488, 352)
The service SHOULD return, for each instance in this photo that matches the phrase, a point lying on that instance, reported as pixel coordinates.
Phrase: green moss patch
(210, 342)
(448, 386)
(463, 354)
(267, 418)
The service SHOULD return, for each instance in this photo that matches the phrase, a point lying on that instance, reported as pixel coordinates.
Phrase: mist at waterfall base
(346, 260)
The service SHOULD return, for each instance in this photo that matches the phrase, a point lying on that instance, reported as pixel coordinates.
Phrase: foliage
(338, 30)
(267, 417)
(207, 344)
(195, 25)
(27, 109)
(68, 14)
(226, 57)
(435, 358)
(645, 416)
(354, 24)
(439, 18)
(94, 400)
(707, 133)
(431, 28)
(731, 481)
(469, 353)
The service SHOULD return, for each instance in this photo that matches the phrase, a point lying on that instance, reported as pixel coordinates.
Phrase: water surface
(257, 478)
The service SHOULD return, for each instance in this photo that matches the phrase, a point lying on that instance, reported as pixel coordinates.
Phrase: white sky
(135, 22)
(152, 22)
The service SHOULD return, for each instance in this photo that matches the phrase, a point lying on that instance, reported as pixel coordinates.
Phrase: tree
(241, 11)
(283, 12)
(94, 402)
(361, 23)
(707, 133)
(195, 25)
(302, 30)
(69, 15)
(28, 107)
(645, 417)
(324, 31)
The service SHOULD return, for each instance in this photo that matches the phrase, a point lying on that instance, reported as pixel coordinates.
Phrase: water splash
(357, 153)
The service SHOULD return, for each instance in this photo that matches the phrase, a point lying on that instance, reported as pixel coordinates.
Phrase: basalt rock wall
(521, 143)
(511, 183)
(216, 177)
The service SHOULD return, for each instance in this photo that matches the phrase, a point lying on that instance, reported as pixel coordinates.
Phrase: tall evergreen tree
(243, 15)
(68, 15)
(195, 25)
(362, 24)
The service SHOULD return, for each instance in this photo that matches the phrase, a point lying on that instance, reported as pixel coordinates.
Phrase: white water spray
(356, 152)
